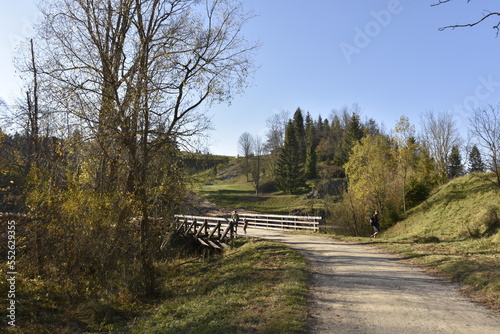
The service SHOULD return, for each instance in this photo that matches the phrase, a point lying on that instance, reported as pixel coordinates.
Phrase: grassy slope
(458, 210)
(241, 194)
(230, 189)
(256, 287)
(447, 234)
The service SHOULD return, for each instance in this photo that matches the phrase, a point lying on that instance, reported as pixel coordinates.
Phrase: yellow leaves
(371, 169)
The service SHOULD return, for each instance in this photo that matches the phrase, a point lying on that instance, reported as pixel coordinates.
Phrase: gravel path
(361, 289)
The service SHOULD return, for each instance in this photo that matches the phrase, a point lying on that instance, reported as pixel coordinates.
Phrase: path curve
(361, 289)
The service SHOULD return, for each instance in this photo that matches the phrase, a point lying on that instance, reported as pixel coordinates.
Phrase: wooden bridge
(217, 232)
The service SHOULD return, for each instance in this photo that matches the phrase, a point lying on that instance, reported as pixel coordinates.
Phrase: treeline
(390, 172)
(193, 163)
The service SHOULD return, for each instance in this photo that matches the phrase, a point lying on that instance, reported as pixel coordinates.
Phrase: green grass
(229, 188)
(458, 210)
(256, 287)
(259, 287)
(241, 194)
(451, 235)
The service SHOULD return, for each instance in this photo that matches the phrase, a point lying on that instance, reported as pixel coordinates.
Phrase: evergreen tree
(290, 169)
(425, 178)
(372, 128)
(319, 125)
(300, 133)
(311, 163)
(326, 126)
(455, 167)
(475, 161)
(310, 131)
(312, 143)
(352, 135)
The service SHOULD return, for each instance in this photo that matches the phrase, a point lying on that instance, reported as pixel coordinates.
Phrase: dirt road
(361, 289)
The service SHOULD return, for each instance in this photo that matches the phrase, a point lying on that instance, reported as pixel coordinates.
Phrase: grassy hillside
(228, 187)
(466, 207)
(456, 233)
(257, 287)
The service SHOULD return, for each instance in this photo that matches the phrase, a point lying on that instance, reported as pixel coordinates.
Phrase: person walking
(374, 222)
(236, 218)
(245, 225)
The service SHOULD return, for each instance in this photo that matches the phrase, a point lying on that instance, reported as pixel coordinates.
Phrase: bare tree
(485, 127)
(33, 112)
(135, 74)
(404, 137)
(486, 15)
(276, 136)
(257, 163)
(439, 134)
(246, 148)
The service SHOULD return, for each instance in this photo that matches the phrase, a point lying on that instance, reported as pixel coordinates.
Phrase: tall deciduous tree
(405, 153)
(439, 134)
(485, 127)
(257, 163)
(275, 136)
(134, 75)
(246, 146)
(370, 172)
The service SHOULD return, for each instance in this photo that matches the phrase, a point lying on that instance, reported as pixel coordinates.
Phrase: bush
(268, 186)
(349, 217)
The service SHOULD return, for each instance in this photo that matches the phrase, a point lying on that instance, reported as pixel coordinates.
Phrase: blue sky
(388, 56)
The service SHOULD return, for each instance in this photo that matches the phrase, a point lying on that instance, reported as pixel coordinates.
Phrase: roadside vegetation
(454, 234)
(257, 287)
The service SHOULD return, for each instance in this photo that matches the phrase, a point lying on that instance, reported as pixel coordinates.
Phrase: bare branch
(486, 15)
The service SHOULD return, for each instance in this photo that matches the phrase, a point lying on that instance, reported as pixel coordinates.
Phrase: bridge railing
(210, 231)
(282, 222)
(262, 221)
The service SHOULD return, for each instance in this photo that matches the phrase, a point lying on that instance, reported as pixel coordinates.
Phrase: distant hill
(466, 207)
